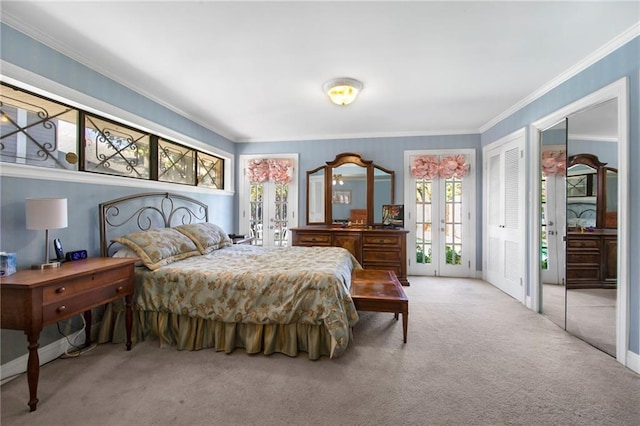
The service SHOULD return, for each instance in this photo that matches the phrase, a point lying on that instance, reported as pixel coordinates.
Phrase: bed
(581, 212)
(196, 290)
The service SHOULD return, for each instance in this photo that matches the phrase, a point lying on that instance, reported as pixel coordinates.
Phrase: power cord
(77, 350)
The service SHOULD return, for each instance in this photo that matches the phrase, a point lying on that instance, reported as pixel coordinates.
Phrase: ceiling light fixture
(342, 91)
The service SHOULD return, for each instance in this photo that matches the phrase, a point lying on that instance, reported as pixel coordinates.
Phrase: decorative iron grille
(36, 131)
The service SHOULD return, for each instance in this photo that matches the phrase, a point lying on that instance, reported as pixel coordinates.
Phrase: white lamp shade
(46, 213)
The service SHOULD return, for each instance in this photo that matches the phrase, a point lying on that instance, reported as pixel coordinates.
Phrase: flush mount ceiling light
(342, 91)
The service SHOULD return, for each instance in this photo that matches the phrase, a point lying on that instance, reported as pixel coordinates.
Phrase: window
(210, 171)
(176, 163)
(37, 131)
(114, 149)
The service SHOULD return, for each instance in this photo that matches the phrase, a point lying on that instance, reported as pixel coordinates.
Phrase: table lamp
(46, 213)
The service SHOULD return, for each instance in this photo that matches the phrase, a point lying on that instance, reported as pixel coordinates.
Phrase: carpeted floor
(474, 356)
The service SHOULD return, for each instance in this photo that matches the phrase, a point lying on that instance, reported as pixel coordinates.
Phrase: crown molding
(343, 136)
(617, 42)
(578, 137)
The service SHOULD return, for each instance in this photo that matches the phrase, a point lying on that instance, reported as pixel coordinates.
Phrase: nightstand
(32, 299)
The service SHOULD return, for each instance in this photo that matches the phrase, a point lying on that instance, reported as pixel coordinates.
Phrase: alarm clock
(76, 255)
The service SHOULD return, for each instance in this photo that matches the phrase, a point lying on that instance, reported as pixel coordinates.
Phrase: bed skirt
(187, 333)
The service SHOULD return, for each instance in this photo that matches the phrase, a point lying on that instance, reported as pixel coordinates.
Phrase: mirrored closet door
(552, 222)
(592, 231)
(578, 217)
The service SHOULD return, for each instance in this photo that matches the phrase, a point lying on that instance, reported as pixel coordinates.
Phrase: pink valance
(446, 166)
(273, 169)
(554, 163)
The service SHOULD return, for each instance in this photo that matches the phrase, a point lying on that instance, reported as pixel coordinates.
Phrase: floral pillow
(127, 252)
(207, 236)
(159, 247)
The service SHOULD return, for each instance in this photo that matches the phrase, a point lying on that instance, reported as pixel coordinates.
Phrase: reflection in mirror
(552, 221)
(611, 202)
(349, 193)
(315, 195)
(382, 191)
(592, 243)
(581, 196)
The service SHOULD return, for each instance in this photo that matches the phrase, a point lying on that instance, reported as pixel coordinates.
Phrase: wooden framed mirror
(592, 191)
(354, 191)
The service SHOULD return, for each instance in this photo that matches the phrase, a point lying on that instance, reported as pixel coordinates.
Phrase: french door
(441, 241)
(268, 207)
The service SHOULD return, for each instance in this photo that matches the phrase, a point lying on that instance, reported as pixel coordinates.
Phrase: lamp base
(50, 265)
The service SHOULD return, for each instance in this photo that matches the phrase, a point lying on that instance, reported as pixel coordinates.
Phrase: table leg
(33, 369)
(128, 320)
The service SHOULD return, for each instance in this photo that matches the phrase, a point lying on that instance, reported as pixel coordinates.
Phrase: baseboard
(45, 354)
(633, 361)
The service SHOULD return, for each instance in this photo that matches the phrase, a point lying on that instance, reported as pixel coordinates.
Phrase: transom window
(37, 131)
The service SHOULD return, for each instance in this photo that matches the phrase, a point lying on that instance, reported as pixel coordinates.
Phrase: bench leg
(405, 323)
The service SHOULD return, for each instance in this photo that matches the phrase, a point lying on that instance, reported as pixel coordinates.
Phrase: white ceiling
(253, 71)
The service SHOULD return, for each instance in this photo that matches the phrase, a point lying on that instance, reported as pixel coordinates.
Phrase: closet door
(504, 213)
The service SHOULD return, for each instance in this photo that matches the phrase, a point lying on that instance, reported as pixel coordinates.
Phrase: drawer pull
(61, 290)
(119, 289)
(61, 308)
(313, 239)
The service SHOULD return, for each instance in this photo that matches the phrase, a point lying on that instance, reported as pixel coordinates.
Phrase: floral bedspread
(259, 285)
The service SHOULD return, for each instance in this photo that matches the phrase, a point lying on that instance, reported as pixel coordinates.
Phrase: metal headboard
(141, 212)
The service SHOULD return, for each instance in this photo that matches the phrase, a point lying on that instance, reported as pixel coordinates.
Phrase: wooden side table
(32, 299)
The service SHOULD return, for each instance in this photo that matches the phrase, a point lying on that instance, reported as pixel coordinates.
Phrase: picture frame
(341, 197)
(393, 215)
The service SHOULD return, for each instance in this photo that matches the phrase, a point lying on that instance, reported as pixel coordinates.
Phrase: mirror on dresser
(344, 209)
(348, 189)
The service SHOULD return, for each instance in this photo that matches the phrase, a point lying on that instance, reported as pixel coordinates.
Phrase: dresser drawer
(582, 258)
(583, 243)
(313, 239)
(384, 256)
(583, 273)
(81, 284)
(381, 239)
(82, 301)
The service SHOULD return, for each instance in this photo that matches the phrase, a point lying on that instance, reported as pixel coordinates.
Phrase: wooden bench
(380, 291)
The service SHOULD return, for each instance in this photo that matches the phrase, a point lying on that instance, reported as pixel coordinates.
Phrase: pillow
(207, 236)
(127, 252)
(159, 247)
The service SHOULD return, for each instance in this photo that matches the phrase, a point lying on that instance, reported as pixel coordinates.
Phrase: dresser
(32, 299)
(592, 258)
(374, 248)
